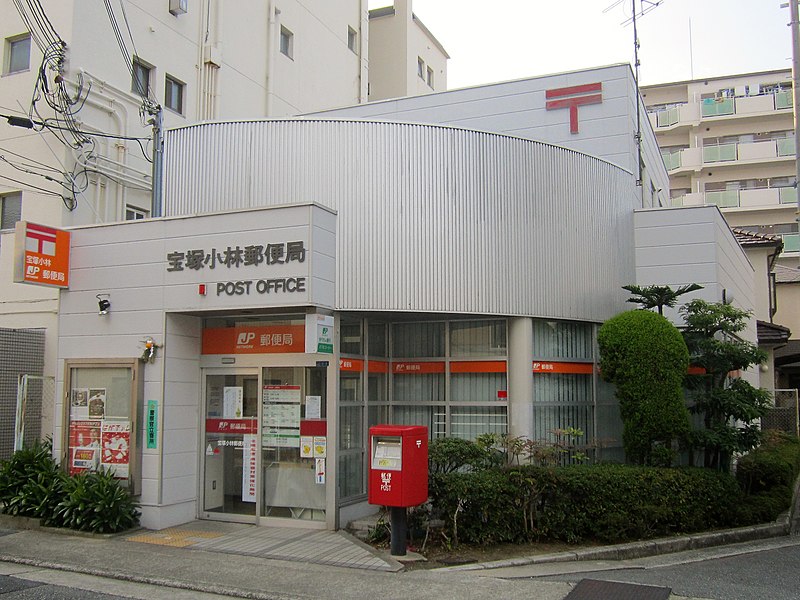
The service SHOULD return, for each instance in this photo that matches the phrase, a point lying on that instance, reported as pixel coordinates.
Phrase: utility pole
(795, 25)
(158, 160)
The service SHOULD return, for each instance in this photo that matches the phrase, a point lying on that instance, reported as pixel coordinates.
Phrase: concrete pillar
(520, 377)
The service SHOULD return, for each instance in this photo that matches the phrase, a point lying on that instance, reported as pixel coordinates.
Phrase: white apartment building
(404, 56)
(81, 82)
(730, 141)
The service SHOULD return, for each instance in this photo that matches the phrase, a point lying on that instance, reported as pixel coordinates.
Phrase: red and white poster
(84, 446)
(115, 441)
(250, 455)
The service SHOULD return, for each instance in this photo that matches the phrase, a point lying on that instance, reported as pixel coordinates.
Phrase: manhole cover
(595, 589)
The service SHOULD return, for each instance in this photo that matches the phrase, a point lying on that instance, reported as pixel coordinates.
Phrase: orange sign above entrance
(265, 339)
(41, 255)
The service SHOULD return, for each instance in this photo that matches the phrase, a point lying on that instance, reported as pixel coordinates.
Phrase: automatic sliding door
(230, 444)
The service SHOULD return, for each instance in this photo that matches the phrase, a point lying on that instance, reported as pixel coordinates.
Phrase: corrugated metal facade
(430, 218)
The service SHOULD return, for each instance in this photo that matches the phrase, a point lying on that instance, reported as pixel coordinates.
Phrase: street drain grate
(594, 589)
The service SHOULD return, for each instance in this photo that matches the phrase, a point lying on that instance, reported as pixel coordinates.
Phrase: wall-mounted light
(103, 303)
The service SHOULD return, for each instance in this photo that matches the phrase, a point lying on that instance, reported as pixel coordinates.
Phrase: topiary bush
(645, 357)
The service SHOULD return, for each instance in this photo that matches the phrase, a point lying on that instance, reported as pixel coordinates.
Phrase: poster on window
(115, 441)
(97, 403)
(249, 468)
(84, 446)
(79, 404)
(233, 402)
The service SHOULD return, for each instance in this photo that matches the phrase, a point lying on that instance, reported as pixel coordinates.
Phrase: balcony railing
(713, 107)
(786, 146)
(783, 100)
(756, 198)
(672, 160)
(787, 195)
(724, 198)
(791, 242)
(721, 153)
(692, 112)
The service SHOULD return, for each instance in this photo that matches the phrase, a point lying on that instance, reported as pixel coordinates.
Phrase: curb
(642, 549)
(156, 581)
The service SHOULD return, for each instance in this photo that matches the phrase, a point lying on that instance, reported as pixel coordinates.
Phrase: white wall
(679, 246)
(129, 262)
(518, 108)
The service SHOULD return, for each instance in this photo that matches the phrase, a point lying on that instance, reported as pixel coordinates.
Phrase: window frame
(139, 213)
(170, 81)
(429, 74)
(4, 225)
(420, 68)
(138, 63)
(286, 42)
(11, 43)
(352, 39)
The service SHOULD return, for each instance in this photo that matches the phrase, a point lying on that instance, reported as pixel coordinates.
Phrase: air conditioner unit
(178, 7)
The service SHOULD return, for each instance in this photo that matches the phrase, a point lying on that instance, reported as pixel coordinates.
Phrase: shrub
(599, 502)
(767, 476)
(94, 501)
(31, 483)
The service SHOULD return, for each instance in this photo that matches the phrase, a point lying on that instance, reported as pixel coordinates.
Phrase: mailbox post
(398, 474)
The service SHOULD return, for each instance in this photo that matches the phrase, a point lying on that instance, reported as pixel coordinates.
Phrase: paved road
(750, 571)
(32, 583)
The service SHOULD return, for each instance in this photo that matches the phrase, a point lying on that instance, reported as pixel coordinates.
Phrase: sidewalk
(245, 561)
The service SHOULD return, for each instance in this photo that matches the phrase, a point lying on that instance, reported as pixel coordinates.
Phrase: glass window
(10, 210)
(100, 420)
(287, 42)
(478, 338)
(18, 50)
(141, 78)
(415, 340)
(350, 337)
(562, 339)
(134, 214)
(378, 343)
(476, 387)
(352, 39)
(421, 68)
(173, 94)
(430, 77)
(561, 401)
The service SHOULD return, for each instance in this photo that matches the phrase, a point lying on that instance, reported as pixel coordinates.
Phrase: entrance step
(364, 527)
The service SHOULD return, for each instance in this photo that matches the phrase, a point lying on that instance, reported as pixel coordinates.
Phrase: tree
(644, 355)
(727, 403)
(658, 296)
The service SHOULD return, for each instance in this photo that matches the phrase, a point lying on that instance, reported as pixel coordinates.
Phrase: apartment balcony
(691, 113)
(754, 199)
(694, 159)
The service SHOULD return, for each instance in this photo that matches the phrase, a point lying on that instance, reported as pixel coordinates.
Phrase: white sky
(498, 40)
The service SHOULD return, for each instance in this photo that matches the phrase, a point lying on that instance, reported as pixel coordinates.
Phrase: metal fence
(35, 406)
(783, 416)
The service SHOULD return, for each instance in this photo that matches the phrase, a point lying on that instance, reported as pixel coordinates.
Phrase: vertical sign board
(152, 424)
(319, 334)
(41, 255)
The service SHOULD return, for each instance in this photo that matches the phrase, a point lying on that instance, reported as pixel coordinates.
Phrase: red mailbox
(398, 465)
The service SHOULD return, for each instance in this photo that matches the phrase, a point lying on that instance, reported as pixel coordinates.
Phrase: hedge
(608, 503)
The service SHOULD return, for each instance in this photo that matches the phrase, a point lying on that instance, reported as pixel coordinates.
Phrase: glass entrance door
(230, 446)
(293, 442)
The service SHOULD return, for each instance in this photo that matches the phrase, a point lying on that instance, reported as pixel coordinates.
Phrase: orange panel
(478, 366)
(265, 339)
(417, 368)
(563, 367)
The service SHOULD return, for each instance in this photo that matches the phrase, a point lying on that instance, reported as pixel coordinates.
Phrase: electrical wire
(70, 203)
